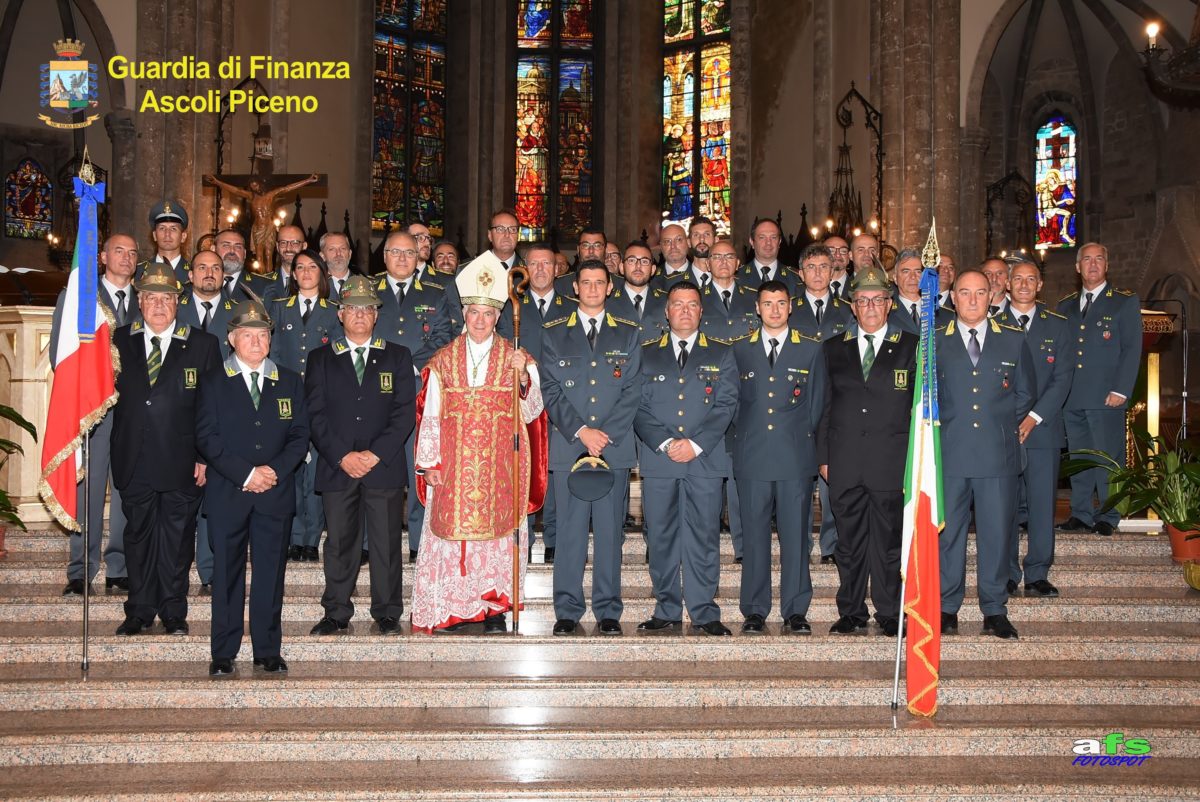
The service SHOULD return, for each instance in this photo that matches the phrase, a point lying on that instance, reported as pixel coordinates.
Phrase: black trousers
(233, 529)
(160, 542)
(868, 526)
(383, 513)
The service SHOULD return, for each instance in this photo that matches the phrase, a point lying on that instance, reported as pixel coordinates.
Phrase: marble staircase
(532, 717)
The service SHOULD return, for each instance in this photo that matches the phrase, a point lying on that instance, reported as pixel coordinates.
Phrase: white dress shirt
(877, 341)
(164, 340)
(782, 337)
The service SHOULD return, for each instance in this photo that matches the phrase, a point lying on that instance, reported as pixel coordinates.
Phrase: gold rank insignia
(189, 378)
(901, 379)
(285, 409)
(385, 382)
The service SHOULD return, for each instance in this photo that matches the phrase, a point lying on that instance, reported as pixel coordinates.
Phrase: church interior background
(1017, 124)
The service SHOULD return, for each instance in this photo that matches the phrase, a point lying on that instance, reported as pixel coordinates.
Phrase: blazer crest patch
(385, 382)
(900, 379)
(189, 378)
(285, 408)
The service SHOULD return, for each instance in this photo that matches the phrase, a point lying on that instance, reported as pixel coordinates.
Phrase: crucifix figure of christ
(260, 189)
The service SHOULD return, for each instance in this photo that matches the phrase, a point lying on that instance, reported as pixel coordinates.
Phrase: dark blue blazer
(1110, 352)
(724, 324)
(836, 318)
(422, 325)
(1048, 339)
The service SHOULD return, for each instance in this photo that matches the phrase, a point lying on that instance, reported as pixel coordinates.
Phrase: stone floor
(530, 716)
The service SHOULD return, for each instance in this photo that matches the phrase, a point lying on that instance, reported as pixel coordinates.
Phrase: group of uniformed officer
(724, 386)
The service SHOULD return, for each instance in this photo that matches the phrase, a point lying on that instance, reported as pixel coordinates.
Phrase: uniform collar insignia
(377, 342)
(136, 327)
(612, 324)
(850, 335)
(231, 366)
(665, 341)
(181, 332)
(754, 336)
(572, 320)
(291, 302)
(894, 337)
(382, 284)
(950, 327)
(995, 326)
(795, 335)
(270, 370)
(340, 347)
(416, 283)
(702, 341)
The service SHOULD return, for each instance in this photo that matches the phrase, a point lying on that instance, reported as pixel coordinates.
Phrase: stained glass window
(1056, 168)
(28, 202)
(696, 105)
(555, 117)
(408, 174)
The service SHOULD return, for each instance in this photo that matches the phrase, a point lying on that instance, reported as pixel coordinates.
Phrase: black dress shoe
(296, 553)
(364, 558)
(1011, 587)
(753, 625)
(389, 626)
(565, 626)
(116, 584)
(271, 665)
(630, 523)
(891, 626)
(132, 625)
(309, 554)
(548, 558)
(74, 588)
(206, 589)
(1103, 528)
(412, 555)
(653, 624)
(609, 626)
(1040, 588)
(453, 628)
(797, 625)
(737, 560)
(1073, 524)
(327, 626)
(847, 625)
(175, 626)
(495, 625)
(713, 628)
(221, 667)
(828, 559)
(1000, 626)
(949, 623)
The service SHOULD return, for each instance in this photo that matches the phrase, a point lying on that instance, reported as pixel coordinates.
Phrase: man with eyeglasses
(820, 314)
(445, 258)
(638, 300)
(765, 239)
(862, 445)
(676, 265)
(729, 307)
(986, 388)
(592, 244)
(503, 231)
(781, 397)
(336, 251)
(907, 300)
(612, 259)
(689, 396)
(420, 234)
(361, 396)
(230, 245)
(288, 242)
(839, 280)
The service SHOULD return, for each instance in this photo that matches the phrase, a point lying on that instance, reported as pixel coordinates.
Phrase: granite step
(59, 643)
(921, 779)
(63, 737)
(579, 685)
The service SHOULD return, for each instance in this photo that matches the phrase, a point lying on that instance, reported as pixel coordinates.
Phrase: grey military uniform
(650, 315)
(729, 323)
(192, 313)
(901, 317)
(597, 387)
(683, 500)
(533, 319)
(750, 276)
(1107, 352)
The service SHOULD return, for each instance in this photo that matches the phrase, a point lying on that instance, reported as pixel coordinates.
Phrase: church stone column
(741, 193)
(208, 49)
(122, 177)
(946, 129)
(179, 180)
(917, 85)
(822, 54)
(891, 108)
(969, 249)
(150, 143)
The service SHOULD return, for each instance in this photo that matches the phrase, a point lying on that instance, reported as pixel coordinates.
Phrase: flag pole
(87, 552)
(899, 646)
(518, 281)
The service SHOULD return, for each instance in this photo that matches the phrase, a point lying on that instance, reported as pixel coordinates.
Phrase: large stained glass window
(555, 117)
(1056, 167)
(28, 202)
(696, 95)
(408, 173)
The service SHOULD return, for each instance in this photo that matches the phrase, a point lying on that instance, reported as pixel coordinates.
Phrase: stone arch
(983, 61)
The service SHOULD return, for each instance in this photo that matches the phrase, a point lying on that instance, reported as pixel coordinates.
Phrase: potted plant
(8, 510)
(1159, 478)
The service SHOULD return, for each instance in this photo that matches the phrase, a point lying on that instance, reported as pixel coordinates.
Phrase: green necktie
(255, 395)
(360, 364)
(868, 356)
(154, 360)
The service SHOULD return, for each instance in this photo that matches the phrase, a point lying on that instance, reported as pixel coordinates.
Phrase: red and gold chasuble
(475, 499)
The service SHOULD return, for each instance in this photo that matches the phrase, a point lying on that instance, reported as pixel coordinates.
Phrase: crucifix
(260, 188)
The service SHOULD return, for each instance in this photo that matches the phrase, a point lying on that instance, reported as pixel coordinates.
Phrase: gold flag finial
(931, 254)
(86, 171)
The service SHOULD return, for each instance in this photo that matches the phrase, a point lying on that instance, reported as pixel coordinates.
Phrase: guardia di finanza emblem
(69, 86)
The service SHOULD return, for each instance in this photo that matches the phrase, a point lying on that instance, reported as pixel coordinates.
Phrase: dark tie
(837, 288)
(400, 293)
(207, 315)
(766, 271)
(682, 354)
(868, 356)
(255, 394)
(360, 364)
(1025, 323)
(992, 310)
(228, 286)
(704, 278)
(819, 304)
(916, 316)
(973, 349)
(307, 311)
(591, 335)
(1087, 304)
(774, 351)
(121, 310)
(337, 287)
(725, 296)
(154, 359)
(542, 306)
(637, 305)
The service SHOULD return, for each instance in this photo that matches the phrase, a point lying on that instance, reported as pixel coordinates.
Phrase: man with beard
(445, 258)
(638, 300)
(288, 242)
(946, 274)
(839, 279)
(420, 234)
(336, 251)
(591, 246)
(230, 245)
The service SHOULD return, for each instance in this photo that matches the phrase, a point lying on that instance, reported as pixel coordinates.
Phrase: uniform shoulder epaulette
(1070, 297)
(1126, 293)
(434, 284)
(1017, 329)
(749, 337)
(555, 322)
(717, 340)
(291, 301)
(1052, 313)
(614, 320)
(799, 336)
